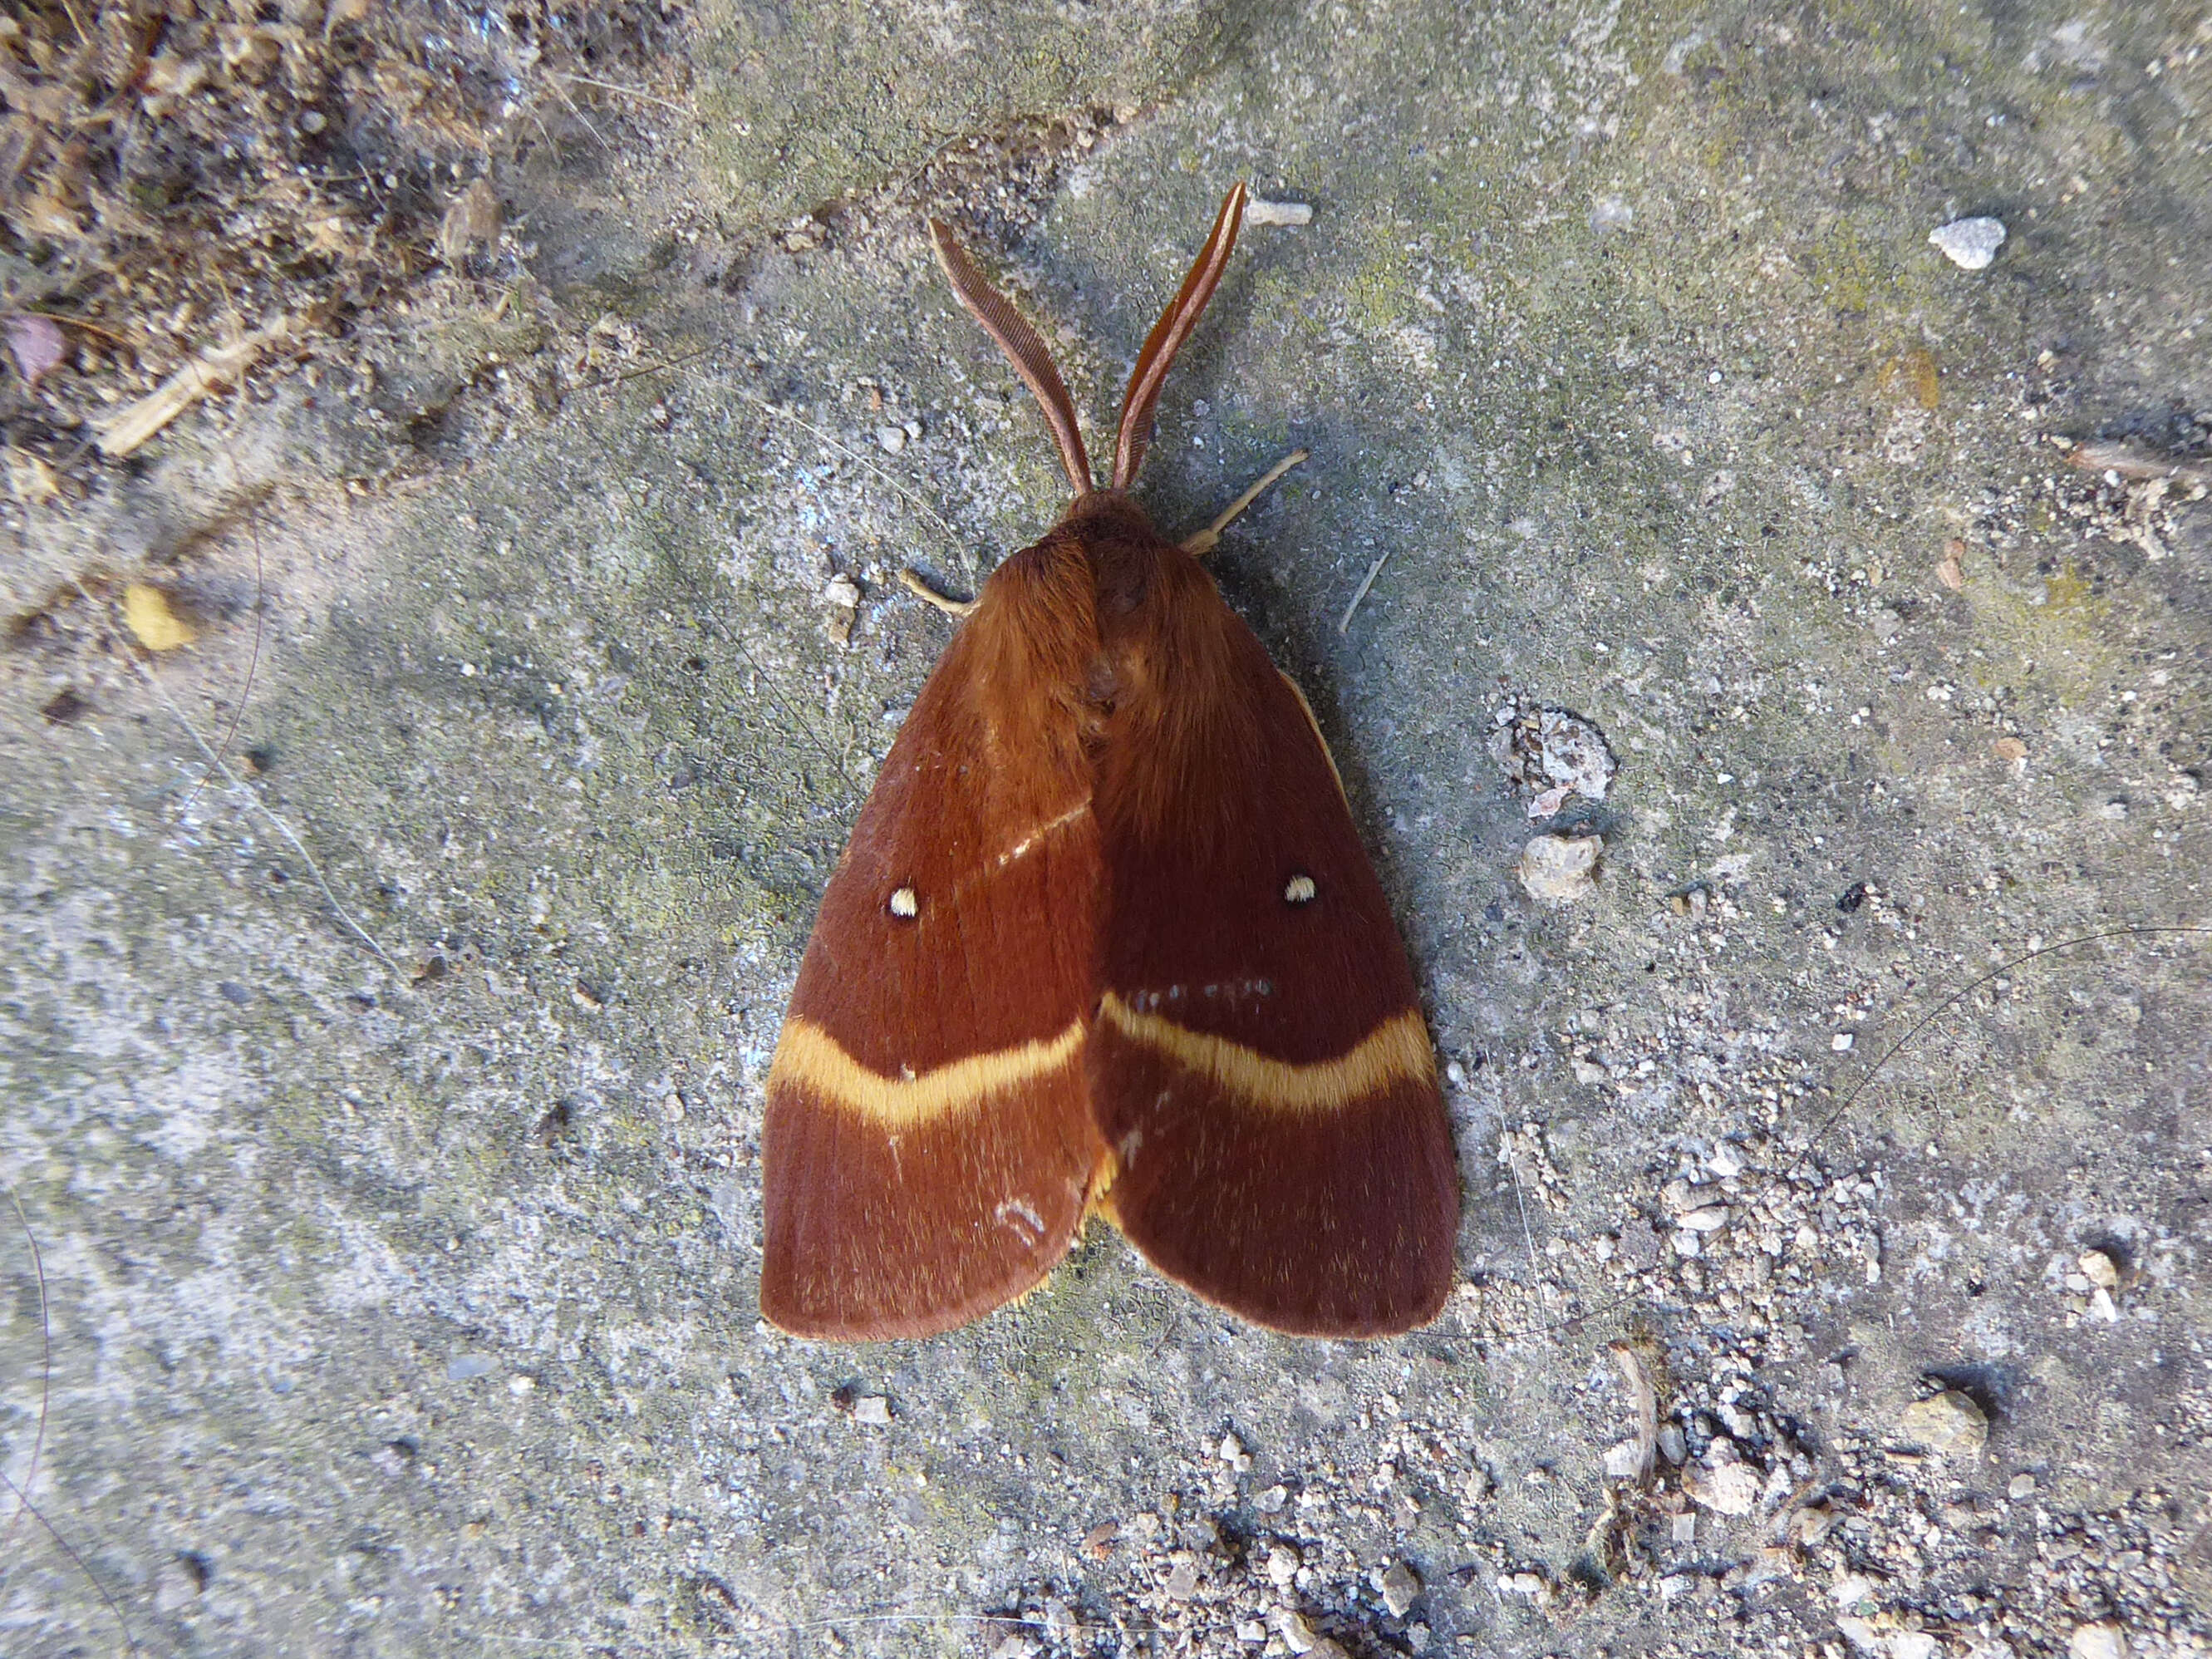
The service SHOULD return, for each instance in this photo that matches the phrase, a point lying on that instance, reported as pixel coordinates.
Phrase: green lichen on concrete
(803, 108)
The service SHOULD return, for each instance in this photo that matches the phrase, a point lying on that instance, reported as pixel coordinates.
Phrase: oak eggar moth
(1105, 939)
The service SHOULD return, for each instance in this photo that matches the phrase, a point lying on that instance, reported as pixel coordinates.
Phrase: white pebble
(873, 1409)
(1399, 1586)
(892, 438)
(1559, 869)
(2098, 1640)
(1623, 1461)
(1950, 1424)
(1729, 1489)
(1970, 244)
(1257, 212)
(1841, 1043)
(842, 591)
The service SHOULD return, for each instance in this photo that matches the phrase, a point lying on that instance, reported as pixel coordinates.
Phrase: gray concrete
(403, 1301)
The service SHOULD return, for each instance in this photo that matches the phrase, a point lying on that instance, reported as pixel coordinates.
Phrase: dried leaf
(1645, 1397)
(146, 612)
(30, 480)
(36, 344)
(472, 223)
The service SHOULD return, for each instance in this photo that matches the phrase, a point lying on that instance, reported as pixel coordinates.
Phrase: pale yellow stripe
(809, 1057)
(1396, 1051)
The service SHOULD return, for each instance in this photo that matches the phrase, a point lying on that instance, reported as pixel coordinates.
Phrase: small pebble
(2099, 1640)
(1949, 1424)
(175, 1588)
(2020, 1486)
(1853, 1589)
(1815, 1524)
(2100, 1268)
(1558, 869)
(1183, 1582)
(1728, 1489)
(1399, 1586)
(1624, 1460)
(892, 438)
(1970, 244)
(1612, 213)
(1841, 1043)
(1272, 1501)
(1684, 1530)
(873, 1409)
(842, 591)
(1257, 212)
(1298, 1635)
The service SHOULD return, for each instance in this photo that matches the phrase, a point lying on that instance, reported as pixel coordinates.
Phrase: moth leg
(922, 590)
(1200, 543)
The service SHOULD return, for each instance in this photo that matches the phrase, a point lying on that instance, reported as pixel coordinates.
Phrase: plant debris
(1551, 753)
(184, 186)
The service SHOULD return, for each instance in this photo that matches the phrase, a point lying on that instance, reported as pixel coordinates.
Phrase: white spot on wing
(1022, 846)
(1022, 1217)
(1300, 889)
(903, 904)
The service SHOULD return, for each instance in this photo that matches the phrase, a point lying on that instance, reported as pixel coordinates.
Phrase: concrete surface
(402, 1301)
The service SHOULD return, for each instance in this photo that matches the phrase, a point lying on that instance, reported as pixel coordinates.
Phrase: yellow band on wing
(1396, 1051)
(808, 1057)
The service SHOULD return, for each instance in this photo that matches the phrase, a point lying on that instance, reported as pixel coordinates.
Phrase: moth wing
(1259, 1071)
(927, 1148)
